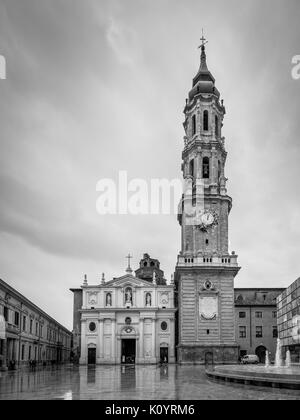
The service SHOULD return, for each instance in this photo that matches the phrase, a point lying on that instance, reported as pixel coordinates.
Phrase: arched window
(194, 125)
(205, 120)
(205, 168)
(191, 172)
(217, 126)
(240, 298)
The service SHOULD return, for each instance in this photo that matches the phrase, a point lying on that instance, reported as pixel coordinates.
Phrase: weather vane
(203, 40)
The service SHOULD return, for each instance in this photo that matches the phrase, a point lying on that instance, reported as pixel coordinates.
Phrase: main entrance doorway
(164, 355)
(128, 351)
(92, 356)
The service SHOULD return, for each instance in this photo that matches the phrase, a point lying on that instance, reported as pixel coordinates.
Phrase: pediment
(128, 280)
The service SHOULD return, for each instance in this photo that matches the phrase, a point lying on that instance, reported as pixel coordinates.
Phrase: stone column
(214, 170)
(113, 338)
(172, 341)
(118, 349)
(155, 298)
(134, 302)
(154, 340)
(100, 341)
(199, 165)
(83, 357)
(141, 347)
(198, 119)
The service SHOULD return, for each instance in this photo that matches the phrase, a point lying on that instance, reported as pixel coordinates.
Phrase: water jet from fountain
(288, 359)
(278, 357)
(267, 364)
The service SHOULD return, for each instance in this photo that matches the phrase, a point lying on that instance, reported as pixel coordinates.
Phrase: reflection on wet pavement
(126, 383)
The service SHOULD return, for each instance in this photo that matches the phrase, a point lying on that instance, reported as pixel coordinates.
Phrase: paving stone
(128, 383)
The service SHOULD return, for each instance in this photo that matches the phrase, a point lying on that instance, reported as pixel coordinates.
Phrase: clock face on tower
(207, 219)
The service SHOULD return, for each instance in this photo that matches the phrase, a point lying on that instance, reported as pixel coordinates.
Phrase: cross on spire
(128, 270)
(203, 40)
(203, 66)
(129, 258)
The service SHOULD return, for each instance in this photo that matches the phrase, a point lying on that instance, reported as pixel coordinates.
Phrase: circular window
(92, 326)
(208, 285)
(164, 326)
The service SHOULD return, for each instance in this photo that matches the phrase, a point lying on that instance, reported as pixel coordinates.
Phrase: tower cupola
(149, 266)
(203, 82)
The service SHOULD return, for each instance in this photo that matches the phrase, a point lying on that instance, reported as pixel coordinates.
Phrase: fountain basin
(277, 377)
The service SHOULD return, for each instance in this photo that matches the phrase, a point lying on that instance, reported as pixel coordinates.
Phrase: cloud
(123, 41)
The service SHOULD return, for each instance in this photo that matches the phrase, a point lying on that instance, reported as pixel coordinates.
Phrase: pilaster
(83, 356)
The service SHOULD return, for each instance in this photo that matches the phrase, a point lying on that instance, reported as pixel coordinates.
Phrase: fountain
(288, 359)
(267, 364)
(278, 357)
(283, 375)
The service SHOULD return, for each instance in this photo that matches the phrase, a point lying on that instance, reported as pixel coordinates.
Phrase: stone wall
(196, 333)
(207, 354)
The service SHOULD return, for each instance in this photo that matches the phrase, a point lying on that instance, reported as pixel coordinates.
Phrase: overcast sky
(94, 87)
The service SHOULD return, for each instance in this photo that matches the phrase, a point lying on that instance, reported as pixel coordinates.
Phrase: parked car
(250, 359)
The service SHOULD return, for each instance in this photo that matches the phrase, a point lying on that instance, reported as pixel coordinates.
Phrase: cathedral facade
(139, 318)
(205, 269)
(127, 320)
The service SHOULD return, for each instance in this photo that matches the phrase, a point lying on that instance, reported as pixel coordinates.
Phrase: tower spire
(204, 79)
(203, 65)
(129, 269)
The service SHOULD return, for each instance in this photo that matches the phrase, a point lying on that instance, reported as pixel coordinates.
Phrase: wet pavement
(128, 383)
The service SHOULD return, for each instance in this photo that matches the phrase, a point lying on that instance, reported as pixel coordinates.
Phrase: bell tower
(205, 269)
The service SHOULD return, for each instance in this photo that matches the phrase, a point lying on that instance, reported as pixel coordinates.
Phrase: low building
(288, 320)
(29, 334)
(256, 321)
(126, 320)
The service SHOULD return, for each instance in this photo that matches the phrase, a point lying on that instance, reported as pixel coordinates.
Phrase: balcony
(207, 261)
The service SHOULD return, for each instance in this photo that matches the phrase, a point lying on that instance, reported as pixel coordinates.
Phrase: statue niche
(108, 299)
(128, 296)
(148, 299)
